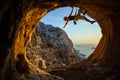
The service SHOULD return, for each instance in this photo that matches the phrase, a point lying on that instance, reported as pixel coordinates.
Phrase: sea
(86, 49)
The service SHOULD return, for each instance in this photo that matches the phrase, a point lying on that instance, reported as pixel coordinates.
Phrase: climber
(77, 17)
(68, 19)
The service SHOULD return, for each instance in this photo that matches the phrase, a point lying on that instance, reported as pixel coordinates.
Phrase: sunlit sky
(82, 33)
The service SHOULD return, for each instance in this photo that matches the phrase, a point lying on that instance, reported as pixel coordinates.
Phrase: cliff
(50, 48)
(56, 37)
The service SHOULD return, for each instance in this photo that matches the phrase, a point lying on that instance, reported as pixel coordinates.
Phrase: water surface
(86, 49)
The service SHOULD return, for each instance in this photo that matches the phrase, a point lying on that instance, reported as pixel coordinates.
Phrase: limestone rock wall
(50, 47)
(55, 36)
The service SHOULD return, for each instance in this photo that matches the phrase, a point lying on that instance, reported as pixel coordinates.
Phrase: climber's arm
(71, 11)
(69, 16)
(65, 24)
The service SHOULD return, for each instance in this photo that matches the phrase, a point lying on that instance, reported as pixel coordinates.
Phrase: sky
(82, 33)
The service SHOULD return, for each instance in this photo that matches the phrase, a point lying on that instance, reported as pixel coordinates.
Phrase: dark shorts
(72, 17)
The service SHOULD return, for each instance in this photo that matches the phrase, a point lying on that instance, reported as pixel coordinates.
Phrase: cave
(18, 20)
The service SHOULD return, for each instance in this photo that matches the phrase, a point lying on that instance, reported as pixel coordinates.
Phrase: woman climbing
(77, 16)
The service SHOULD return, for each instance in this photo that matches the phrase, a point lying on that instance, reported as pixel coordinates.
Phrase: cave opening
(46, 42)
(47, 54)
(84, 36)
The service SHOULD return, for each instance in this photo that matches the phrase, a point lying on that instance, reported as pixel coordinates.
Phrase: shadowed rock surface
(18, 20)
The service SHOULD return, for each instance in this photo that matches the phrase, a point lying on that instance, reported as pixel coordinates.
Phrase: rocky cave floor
(85, 71)
(78, 71)
(73, 73)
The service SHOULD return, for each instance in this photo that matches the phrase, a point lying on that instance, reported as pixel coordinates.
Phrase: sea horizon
(85, 48)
